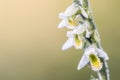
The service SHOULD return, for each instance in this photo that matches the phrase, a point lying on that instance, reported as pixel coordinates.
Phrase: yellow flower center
(77, 40)
(72, 22)
(95, 62)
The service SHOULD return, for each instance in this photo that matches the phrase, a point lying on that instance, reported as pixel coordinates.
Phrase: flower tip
(106, 58)
(68, 44)
(61, 15)
(59, 26)
(78, 68)
(63, 48)
(83, 62)
(62, 24)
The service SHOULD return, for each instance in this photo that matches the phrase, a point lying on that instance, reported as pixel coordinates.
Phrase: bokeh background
(30, 43)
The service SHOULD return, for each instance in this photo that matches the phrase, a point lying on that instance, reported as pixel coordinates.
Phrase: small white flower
(92, 55)
(72, 9)
(69, 17)
(68, 22)
(73, 40)
(82, 28)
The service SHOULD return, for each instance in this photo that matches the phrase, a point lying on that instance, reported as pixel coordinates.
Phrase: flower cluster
(72, 20)
(81, 35)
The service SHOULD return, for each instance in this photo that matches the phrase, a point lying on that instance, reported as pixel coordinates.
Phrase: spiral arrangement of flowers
(83, 34)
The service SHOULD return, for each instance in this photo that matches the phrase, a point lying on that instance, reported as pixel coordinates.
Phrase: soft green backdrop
(30, 43)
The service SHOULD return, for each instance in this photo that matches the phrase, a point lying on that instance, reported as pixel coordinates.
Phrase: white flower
(91, 56)
(72, 9)
(68, 22)
(83, 28)
(73, 40)
(79, 29)
(70, 17)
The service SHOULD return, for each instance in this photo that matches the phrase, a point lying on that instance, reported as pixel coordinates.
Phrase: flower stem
(103, 74)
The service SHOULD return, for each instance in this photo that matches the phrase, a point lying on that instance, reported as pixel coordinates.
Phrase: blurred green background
(30, 43)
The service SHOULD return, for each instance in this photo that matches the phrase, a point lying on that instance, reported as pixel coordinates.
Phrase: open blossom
(70, 17)
(84, 27)
(92, 55)
(74, 37)
(73, 40)
(72, 9)
(69, 22)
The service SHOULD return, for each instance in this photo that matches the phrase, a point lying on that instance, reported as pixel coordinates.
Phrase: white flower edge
(97, 52)
(71, 41)
(72, 9)
(63, 23)
(68, 44)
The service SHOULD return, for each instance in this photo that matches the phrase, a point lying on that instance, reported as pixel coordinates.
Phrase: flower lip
(95, 62)
(73, 40)
(92, 55)
(77, 42)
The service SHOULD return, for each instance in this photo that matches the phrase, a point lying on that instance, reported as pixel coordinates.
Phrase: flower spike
(83, 34)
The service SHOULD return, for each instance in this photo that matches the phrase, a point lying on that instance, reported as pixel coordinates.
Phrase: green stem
(103, 74)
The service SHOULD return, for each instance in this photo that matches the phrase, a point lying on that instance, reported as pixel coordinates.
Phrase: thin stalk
(103, 74)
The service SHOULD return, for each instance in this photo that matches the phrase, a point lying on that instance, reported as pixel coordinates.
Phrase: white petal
(71, 10)
(88, 33)
(68, 44)
(83, 12)
(63, 23)
(70, 27)
(81, 2)
(62, 16)
(103, 54)
(90, 50)
(79, 29)
(70, 34)
(84, 60)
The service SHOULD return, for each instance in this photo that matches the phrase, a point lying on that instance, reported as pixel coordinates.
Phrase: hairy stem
(103, 74)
